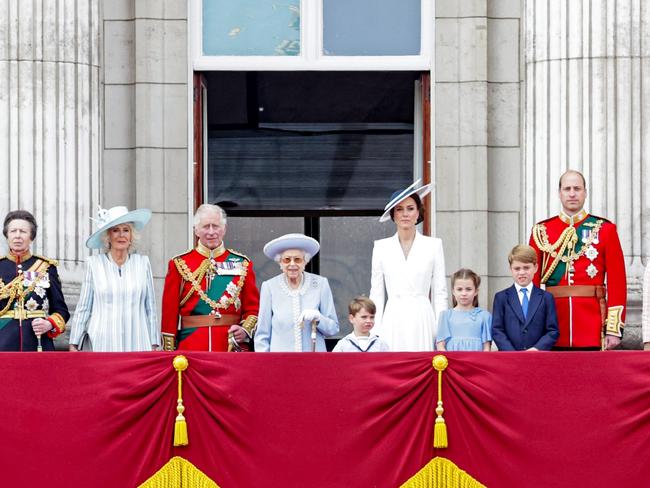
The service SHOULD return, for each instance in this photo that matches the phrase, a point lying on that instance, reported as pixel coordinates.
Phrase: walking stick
(314, 324)
(21, 311)
(39, 345)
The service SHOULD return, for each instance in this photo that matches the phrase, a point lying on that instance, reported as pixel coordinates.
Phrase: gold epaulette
(600, 218)
(51, 262)
(182, 254)
(237, 253)
(552, 217)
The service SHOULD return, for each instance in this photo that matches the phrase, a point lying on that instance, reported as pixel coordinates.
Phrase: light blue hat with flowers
(107, 218)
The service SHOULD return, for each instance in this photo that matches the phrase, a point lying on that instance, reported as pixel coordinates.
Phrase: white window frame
(311, 47)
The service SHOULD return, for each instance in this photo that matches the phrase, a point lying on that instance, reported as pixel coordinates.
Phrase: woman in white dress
(117, 307)
(409, 269)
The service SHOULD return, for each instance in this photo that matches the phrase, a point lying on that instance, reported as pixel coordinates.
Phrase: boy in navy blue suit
(523, 316)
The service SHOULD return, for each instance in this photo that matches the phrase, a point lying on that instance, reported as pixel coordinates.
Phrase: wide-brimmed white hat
(291, 241)
(107, 218)
(400, 195)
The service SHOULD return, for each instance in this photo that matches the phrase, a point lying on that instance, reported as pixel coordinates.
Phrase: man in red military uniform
(212, 289)
(578, 253)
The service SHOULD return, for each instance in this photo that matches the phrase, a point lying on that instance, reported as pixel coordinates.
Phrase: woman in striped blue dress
(117, 307)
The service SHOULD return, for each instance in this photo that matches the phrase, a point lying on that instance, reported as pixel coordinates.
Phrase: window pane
(249, 234)
(309, 141)
(287, 170)
(371, 27)
(251, 27)
(345, 258)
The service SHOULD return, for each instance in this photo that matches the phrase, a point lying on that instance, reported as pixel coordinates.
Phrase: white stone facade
(478, 137)
(145, 90)
(50, 121)
(586, 71)
(523, 89)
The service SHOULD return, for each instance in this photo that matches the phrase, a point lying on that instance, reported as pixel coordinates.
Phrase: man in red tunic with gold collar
(212, 289)
(581, 263)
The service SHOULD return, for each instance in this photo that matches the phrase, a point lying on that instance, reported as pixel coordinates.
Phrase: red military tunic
(576, 257)
(209, 294)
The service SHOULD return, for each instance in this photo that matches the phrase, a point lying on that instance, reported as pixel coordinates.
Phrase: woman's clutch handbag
(84, 343)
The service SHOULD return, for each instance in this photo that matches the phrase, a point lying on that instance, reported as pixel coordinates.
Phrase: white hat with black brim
(107, 218)
(400, 195)
(277, 246)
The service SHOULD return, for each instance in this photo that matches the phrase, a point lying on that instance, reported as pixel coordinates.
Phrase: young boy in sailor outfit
(362, 317)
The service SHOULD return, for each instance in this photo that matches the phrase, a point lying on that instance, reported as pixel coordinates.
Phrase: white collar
(529, 288)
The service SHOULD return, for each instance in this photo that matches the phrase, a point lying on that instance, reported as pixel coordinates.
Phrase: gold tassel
(180, 427)
(440, 363)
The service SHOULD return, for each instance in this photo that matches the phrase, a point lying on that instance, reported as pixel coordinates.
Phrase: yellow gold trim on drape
(180, 426)
(440, 441)
(441, 472)
(179, 473)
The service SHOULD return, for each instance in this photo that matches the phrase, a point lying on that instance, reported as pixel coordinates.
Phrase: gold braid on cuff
(249, 324)
(169, 342)
(60, 323)
(614, 325)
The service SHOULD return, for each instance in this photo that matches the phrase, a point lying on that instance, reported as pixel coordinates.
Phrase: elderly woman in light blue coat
(293, 300)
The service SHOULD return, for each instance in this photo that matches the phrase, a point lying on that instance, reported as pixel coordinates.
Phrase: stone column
(587, 72)
(145, 149)
(477, 137)
(50, 122)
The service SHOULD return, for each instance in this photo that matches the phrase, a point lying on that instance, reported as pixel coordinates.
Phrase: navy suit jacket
(511, 332)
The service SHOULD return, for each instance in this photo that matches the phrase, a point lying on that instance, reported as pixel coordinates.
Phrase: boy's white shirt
(520, 295)
(363, 342)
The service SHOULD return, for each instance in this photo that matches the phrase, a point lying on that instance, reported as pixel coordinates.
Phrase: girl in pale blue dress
(466, 327)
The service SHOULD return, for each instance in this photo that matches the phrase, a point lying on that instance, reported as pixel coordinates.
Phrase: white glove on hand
(309, 314)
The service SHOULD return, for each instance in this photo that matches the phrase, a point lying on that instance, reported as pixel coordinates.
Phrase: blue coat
(279, 310)
(511, 332)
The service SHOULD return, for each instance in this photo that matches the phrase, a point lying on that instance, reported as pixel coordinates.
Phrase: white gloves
(309, 315)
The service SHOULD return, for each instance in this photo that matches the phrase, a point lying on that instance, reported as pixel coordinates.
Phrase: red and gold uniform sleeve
(616, 281)
(170, 306)
(250, 301)
(538, 274)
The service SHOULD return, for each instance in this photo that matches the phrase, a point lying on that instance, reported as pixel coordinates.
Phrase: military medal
(231, 268)
(29, 277)
(592, 271)
(31, 305)
(591, 253)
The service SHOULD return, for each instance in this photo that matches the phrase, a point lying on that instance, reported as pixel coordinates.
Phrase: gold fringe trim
(180, 426)
(439, 473)
(179, 473)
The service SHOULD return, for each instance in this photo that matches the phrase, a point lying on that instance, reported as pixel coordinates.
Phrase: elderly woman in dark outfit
(32, 309)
